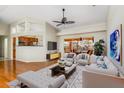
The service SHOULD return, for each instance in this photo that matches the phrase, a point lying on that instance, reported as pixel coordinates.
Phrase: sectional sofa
(93, 66)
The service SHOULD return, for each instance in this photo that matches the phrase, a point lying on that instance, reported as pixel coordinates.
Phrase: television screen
(52, 45)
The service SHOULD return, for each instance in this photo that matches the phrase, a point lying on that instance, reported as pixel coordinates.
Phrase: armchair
(83, 59)
(69, 57)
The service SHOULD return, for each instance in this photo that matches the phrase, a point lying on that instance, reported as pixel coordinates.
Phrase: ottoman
(33, 80)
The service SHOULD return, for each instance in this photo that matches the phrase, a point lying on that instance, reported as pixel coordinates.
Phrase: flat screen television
(52, 45)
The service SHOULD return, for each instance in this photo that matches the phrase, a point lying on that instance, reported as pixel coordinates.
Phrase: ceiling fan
(64, 20)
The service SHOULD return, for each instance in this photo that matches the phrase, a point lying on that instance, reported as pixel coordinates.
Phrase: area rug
(74, 81)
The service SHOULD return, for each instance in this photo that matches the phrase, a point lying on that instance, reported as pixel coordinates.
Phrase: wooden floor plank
(9, 69)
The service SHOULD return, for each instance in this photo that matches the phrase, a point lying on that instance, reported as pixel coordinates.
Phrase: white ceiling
(82, 14)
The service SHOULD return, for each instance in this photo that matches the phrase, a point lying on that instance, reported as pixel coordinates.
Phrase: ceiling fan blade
(57, 21)
(64, 20)
(70, 22)
(59, 24)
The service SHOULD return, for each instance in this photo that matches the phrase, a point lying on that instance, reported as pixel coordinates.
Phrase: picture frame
(116, 45)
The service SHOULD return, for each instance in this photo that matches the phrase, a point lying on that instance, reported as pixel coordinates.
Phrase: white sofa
(110, 70)
(83, 59)
(93, 79)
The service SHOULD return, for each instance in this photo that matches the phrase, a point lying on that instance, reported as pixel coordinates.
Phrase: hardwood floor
(9, 69)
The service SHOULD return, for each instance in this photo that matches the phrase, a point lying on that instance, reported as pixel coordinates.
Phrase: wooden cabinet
(27, 41)
(53, 56)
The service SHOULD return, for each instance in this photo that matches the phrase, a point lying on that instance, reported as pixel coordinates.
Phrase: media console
(52, 56)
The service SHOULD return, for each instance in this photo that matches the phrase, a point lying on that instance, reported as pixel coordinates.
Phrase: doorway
(3, 47)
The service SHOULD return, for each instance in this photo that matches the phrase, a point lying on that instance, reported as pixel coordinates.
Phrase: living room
(84, 52)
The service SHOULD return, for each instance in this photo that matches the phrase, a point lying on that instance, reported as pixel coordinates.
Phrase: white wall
(4, 33)
(83, 29)
(34, 53)
(51, 35)
(96, 35)
(6, 46)
(4, 29)
(115, 18)
(30, 53)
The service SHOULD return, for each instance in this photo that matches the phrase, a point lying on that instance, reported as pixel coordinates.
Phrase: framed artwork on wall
(116, 45)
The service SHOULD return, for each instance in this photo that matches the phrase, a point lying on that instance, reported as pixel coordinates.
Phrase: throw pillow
(100, 62)
(83, 56)
(104, 66)
(68, 64)
(70, 55)
(100, 58)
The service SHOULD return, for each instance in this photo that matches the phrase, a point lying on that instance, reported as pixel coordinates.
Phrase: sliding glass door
(79, 45)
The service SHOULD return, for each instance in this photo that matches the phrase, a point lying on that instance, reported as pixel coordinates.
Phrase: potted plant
(99, 47)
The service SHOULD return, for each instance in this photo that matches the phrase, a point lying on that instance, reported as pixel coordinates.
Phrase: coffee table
(57, 70)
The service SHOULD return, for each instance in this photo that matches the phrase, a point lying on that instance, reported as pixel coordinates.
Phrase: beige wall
(96, 35)
(115, 18)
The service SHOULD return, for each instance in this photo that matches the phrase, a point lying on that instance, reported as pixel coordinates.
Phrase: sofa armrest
(58, 82)
(65, 85)
(97, 80)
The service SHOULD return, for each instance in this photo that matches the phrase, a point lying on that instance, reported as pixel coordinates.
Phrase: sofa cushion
(101, 58)
(69, 69)
(93, 59)
(70, 56)
(82, 61)
(69, 59)
(106, 60)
